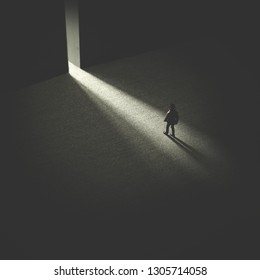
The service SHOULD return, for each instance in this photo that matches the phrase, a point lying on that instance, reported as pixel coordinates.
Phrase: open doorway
(72, 31)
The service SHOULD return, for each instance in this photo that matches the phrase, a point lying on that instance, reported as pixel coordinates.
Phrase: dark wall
(36, 41)
(35, 38)
(110, 31)
(241, 34)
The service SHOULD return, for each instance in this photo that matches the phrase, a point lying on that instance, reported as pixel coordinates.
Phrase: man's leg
(167, 128)
(173, 130)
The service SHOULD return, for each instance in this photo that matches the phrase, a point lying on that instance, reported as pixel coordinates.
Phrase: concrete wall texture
(36, 42)
(35, 39)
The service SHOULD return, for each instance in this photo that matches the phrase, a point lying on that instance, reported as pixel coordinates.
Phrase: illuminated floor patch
(131, 115)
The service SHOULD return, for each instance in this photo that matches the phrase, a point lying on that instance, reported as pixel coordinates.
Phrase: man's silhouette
(171, 118)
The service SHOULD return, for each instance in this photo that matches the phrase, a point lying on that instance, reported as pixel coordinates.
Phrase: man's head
(172, 106)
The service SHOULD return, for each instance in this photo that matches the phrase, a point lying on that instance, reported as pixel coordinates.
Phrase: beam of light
(133, 116)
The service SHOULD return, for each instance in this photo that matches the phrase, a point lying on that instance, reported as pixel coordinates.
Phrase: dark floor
(92, 176)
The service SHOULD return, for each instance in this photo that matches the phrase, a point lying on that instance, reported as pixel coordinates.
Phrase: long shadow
(190, 150)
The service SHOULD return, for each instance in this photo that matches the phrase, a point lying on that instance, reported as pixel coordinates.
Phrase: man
(171, 118)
